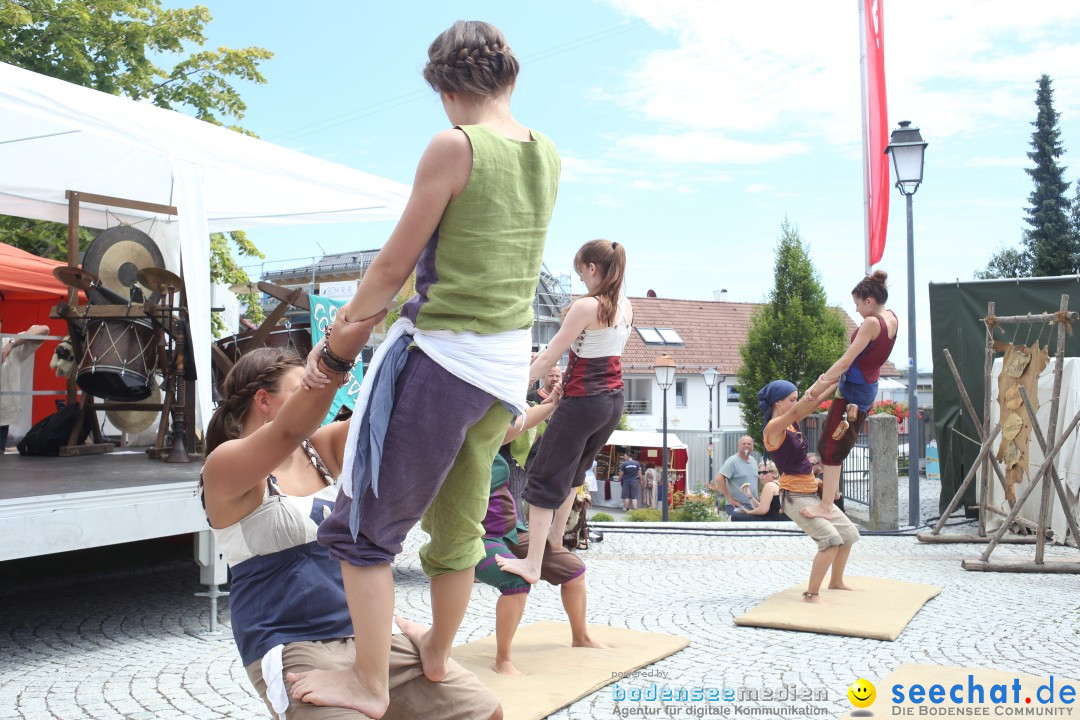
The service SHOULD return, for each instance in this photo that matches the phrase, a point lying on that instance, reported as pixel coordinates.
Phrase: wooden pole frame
(1050, 444)
(89, 408)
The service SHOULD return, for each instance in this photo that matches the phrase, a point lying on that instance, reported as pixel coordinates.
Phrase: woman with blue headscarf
(783, 409)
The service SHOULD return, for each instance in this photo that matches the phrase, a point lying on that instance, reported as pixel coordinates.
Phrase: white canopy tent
(55, 137)
(641, 438)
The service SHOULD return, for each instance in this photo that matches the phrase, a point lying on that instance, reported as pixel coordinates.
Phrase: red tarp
(28, 291)
(28, 277)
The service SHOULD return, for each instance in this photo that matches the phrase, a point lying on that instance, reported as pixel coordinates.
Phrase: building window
(660, 336)
(680, 393)
(732, 394)
(638, 396)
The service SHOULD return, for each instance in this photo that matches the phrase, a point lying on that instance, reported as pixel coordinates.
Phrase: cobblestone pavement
(121, 645)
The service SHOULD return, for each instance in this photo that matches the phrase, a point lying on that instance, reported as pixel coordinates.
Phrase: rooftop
(711, 330)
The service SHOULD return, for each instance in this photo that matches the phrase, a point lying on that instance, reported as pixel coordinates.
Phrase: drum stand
(175, 409)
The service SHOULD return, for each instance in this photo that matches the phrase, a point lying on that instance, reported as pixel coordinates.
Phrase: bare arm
(536, 414)
(763, 506)
(581, 314)
(26, 337)
(774, 431)
(441, 175)
(238, 466)
(721, 483)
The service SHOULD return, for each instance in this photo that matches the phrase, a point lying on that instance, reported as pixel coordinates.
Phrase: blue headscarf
(773, 392)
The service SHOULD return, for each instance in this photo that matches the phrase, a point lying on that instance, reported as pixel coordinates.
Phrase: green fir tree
(1051, 240)
(794, 336)
(1051, 244)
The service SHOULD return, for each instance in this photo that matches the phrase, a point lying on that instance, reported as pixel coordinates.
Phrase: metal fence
(854, 478)
(725, 445)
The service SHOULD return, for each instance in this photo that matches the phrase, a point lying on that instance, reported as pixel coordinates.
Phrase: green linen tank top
(480, 270)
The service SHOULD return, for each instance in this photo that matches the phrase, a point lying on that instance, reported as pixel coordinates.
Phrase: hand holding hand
(349, 334)
(555, 396)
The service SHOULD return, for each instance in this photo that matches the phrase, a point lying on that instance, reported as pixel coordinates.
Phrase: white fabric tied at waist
(272, 668)
(497, 364)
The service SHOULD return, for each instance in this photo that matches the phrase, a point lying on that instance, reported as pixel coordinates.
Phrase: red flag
(875, 129)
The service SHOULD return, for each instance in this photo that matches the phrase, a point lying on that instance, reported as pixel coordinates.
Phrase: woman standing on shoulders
(857, 372)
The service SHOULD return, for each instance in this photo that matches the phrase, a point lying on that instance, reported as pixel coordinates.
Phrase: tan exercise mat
(878, 608)
(927, 676)
(556, 674)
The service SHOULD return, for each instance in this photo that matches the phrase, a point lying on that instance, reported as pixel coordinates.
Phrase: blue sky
(690, 130)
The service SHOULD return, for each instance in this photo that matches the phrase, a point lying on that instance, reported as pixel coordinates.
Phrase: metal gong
(118, 254)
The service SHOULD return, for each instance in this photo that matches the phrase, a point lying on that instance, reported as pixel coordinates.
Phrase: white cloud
(758, 188)
(748, 72)
(704, 148)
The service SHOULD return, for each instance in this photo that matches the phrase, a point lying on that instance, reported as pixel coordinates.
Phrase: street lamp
(711, 377)
(664, 367)
(907, 148)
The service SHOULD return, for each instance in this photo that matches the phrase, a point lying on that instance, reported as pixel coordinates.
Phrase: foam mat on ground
(878, 608)
(556, 674)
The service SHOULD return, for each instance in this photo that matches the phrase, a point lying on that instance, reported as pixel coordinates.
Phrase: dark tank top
(867, 366)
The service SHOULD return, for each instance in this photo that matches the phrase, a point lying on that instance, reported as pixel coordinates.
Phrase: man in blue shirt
(630, 480)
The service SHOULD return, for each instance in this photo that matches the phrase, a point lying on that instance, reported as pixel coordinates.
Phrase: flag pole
(865, 135)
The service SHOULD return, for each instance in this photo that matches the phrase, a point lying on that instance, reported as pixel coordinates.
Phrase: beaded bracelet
(344, 375)
(334, 361)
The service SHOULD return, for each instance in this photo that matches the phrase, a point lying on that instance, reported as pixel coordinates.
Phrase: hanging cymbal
(248, 288)
(75, 277)
(160, 280)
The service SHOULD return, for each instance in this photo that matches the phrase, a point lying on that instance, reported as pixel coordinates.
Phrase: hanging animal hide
(1021, 368)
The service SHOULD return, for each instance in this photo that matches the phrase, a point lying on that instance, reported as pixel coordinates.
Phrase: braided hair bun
(873, 286)
(471, 57)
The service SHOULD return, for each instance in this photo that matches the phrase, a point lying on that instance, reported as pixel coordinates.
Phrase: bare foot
(338, 688)
(527, 572)
(813, 599)
(434, 666)
(839, 586)
(589, 642)
(817, 511)
(505, 667)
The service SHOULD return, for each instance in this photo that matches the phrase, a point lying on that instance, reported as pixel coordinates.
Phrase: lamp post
(710, 376)
(664, 367)
(907, 148)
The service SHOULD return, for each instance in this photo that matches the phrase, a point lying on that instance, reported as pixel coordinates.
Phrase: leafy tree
(111, 46)
(1007, 263)
(794, 336)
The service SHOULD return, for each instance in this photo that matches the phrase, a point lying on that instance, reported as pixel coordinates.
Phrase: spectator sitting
(768, 508)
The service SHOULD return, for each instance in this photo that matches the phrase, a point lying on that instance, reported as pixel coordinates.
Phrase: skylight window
(670, 336)
(660, 336)
(650, 336)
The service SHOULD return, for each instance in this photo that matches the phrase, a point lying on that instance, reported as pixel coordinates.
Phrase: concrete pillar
(883, 432)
